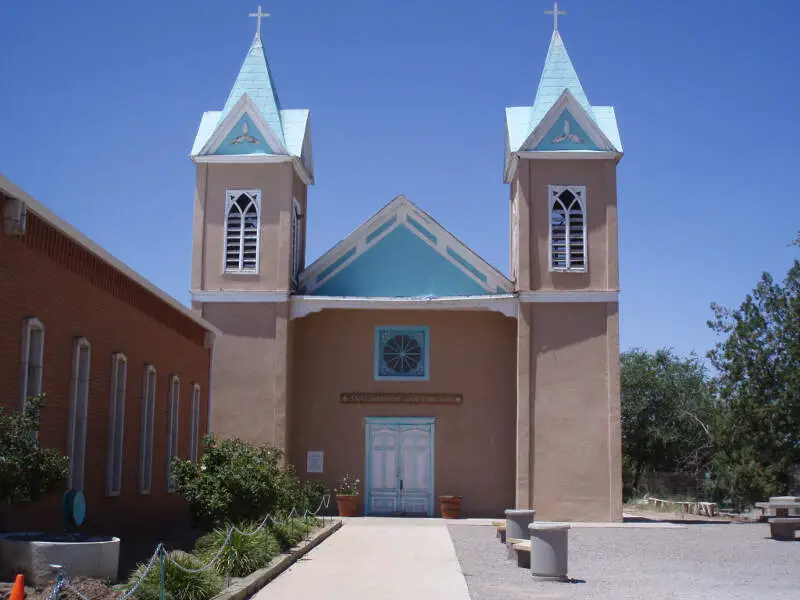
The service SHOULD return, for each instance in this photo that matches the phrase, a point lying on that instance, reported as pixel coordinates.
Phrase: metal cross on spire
(555, 12)
(259, 15)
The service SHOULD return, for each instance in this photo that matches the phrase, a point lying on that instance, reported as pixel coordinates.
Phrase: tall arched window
(567, 228)
(242, 220)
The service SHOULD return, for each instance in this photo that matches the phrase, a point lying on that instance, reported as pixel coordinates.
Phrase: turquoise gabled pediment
(244, 138)
(566, 134)
(398, 265)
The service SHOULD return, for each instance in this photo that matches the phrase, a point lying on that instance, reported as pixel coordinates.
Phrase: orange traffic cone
(18, 591)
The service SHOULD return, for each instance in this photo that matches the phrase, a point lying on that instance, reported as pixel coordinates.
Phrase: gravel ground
(722, 561)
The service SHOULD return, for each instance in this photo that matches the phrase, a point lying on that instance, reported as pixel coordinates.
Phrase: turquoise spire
(255, 79)
(558, 74)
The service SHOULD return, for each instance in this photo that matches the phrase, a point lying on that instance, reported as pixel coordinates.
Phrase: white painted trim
(28, 326)
(15, 216)
(147, 407)
(51, 218)
(116, 403)
(568, 102)
(230, 198)
(302, 306)
(570, 296)
(73, 445)
(243, 158)
(244, 105)
(297, 163)
(401, 208)
(581, 197)
(570, 154)
(240, 295)
(173, 426)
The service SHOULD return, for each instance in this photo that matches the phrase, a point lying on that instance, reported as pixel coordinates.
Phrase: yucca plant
(243, 554)
(178, 584)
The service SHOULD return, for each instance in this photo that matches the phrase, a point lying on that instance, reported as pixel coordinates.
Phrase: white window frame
(173, 426)
(553, 191)
(26, 382)
(148, 418)
(116, 412)
(194, 424)
(78, 411)
(230, 197)
(297, 240)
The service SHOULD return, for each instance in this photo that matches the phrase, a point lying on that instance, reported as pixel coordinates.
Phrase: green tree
(758, 432)
(667, 414)
(26, 469)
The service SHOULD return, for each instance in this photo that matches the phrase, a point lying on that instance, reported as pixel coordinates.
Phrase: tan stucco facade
(472, 354)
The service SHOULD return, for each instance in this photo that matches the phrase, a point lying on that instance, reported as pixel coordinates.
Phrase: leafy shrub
(178, 584)
(292, 532)
(26, 469)
(314, 492)
(243, 554)
(232, 482)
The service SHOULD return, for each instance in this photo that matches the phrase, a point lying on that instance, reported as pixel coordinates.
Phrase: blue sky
(99, 107)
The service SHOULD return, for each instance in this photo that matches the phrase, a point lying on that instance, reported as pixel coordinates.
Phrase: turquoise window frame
(426, 353)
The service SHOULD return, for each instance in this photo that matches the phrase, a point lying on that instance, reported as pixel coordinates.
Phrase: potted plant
(347, 495)
(450, 506)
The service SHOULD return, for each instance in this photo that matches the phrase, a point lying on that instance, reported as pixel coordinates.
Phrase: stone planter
(549, 551)
(450, 507)
(517, 521)
(81, 556)
(347, 505)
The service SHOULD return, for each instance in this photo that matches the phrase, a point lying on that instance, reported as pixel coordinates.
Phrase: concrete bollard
(549, 551)
(517, 521)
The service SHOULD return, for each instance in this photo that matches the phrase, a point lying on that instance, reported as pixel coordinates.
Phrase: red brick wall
(44, 274)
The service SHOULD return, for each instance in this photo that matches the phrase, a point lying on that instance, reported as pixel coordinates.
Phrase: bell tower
(253, 168)
(561, 162)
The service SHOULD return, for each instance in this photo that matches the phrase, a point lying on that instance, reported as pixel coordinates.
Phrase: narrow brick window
(172, 426)
(78, 409)
(194, 424)
(146, 442)
(242, 225)
(297, 241)
(31, 360)
(567, 228)
(116, 426)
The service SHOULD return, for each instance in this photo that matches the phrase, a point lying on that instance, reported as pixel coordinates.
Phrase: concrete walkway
(376, 559)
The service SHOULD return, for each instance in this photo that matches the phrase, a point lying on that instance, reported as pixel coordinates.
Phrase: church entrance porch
(399, 466)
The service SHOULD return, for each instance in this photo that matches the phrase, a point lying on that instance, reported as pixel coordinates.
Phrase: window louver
(241, 232)
(567, 230)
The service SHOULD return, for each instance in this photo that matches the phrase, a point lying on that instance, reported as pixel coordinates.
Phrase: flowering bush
(348, 486)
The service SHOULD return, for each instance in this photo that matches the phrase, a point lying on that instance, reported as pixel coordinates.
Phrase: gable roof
(559, 78)
(255, 80)
(401, 251)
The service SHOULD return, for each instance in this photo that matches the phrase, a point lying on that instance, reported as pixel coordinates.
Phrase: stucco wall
(278, 184)
(472, 353)
(576, 448)
(249, 374)
(599, 177)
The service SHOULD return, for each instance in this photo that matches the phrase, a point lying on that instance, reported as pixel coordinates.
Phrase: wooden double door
(399, 469)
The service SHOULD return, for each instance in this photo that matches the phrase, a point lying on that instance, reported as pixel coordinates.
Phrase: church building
(436, 374)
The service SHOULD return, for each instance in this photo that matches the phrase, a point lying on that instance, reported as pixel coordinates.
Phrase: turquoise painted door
(400, 467)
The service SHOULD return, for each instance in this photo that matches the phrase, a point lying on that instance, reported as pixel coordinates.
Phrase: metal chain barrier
(63, 581)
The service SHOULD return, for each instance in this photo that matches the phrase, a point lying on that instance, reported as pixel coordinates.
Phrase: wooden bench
(783, 528)
(501, 533)
(522, 548)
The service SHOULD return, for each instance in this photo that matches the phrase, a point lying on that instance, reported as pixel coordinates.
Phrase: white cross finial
(555, 12)
(258, 15)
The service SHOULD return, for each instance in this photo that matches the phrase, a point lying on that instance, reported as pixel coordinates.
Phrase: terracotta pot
(346, 505)
(450, 507)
